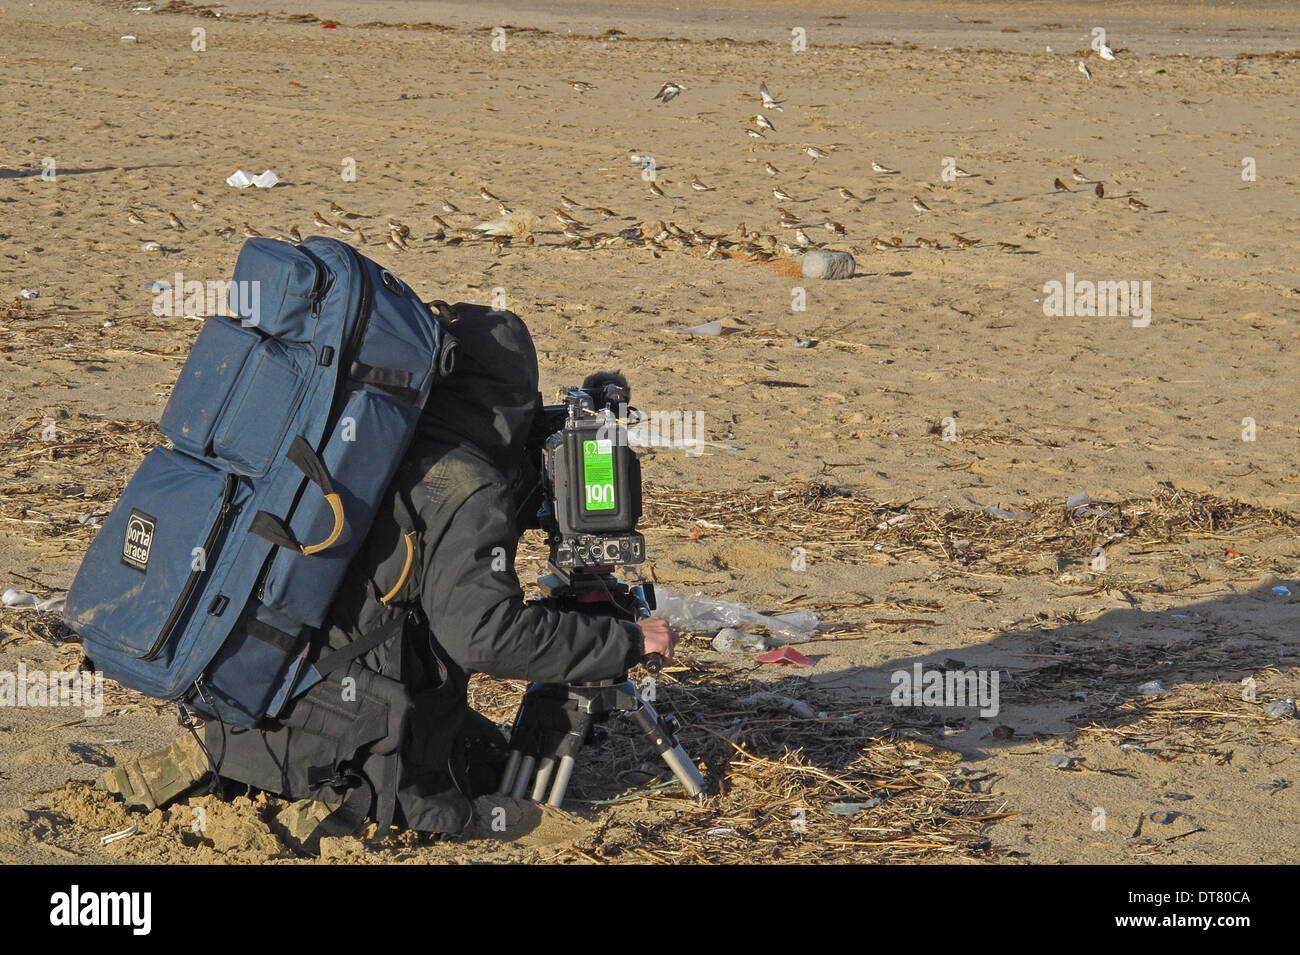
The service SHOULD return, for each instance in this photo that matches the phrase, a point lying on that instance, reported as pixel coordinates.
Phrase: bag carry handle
(275, 530)
(398, 587)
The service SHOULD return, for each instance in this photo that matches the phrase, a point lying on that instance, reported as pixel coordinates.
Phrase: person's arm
(476, 610)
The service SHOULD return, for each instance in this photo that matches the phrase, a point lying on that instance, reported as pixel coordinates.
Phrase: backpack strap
(382, 634)
(404, 515)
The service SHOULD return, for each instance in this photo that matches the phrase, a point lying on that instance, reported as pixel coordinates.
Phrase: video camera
(589, 498)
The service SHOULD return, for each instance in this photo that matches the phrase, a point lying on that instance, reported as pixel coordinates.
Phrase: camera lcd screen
(598, 475)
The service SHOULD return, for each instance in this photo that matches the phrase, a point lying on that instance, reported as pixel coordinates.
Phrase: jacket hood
(490, 400)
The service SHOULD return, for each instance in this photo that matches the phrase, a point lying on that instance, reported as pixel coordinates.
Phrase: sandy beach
(905, 477)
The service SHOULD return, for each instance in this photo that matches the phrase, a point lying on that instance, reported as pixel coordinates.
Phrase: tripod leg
(666, 746)
(525, 774)
(544, 770)
(511, 772)
(561, 781)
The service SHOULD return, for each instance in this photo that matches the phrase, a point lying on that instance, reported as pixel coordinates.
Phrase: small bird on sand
(885, 169)
(134, 217)
(880, 245)
(1083, 68)
(655, 190)
(321, 221)
(783, 195)
(918, 205)
(568, 203)
(758, 119)
(769, 101)
(1080, 177)
(1008, 246)
(816, 153)
(1105, 52)
(1136, 204)
(927, 243)
(669, 91)
(836, 227)
(754, 134)
(485, 194)
(294, 234)
(770, 169)
(1060, 186)
(700, 187)
(250, 232)
(848, 196)
(1100, 191)
(962, 173)
(963, 241)
(196, 204)
(175, 222)
(449, 208)
(580, 86)
(802, 238)
(226, 232)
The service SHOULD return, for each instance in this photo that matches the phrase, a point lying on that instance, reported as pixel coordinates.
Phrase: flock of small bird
(516, 225)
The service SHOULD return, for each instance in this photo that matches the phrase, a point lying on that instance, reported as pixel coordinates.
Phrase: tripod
(557, 719)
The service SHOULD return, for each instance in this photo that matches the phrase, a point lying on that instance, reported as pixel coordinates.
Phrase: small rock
(1060, 761)
(804, 343)
(1153, 688)
(1281, 709)
(827, 264)
(731, 640)
(1004, 732)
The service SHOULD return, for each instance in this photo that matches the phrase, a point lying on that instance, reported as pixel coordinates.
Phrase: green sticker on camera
(598, 474)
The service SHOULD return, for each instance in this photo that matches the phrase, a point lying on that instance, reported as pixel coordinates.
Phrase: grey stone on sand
(827, 264)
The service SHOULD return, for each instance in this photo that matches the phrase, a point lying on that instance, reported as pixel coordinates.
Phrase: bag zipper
(354, 342)
(363, 320)
(227, 494)
(320, 286)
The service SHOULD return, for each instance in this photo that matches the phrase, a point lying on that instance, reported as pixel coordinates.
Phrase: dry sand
(1042, 407)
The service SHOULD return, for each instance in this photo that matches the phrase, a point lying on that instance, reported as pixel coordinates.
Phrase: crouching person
(431, 598)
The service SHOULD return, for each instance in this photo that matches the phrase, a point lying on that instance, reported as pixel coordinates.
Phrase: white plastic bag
(704, 613)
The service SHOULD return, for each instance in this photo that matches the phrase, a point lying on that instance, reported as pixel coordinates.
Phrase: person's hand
(658, 636)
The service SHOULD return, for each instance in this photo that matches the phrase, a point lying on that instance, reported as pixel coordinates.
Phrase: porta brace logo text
(74, 907)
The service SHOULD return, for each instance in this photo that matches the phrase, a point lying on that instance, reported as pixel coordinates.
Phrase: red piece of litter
(784, 655)
(329, 26)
